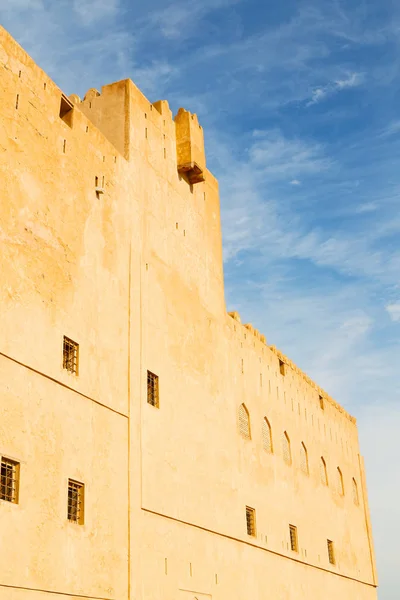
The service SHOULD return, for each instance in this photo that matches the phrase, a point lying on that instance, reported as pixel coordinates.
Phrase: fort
(152, 446)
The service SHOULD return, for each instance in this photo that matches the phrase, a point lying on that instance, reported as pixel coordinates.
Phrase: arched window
(287, 456)
(244, 422)
(323, 472)
(304, 459)
(340, 486)
(355, 493)
(267, 436)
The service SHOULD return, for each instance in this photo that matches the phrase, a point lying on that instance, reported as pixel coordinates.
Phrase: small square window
(331, 552)
(9, 481)
(70, 355)
(293, 538)
(251, 521)
(152, 390)
(75, 501)
(282, 366)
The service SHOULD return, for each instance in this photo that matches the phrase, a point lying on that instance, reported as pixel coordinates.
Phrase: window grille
(303, 459)
(281, 367)
(70, 355)
(331, 552)
(340, 486)
(244, 422)
(9, 480)
(153, 390)
(75, 501)
(355, 493)
(251, 521)
(287, 457)
(293, 538)
(323, 472)
(266, 436)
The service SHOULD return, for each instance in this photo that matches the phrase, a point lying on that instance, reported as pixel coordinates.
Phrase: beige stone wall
(134, 275)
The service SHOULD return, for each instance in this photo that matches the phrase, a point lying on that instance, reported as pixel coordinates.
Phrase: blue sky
(300, 102)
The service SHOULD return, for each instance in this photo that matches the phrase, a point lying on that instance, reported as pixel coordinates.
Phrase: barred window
(304, 459)
(340, 485)
(331, 552)
(75, 501)
(266, 436)
(244, 422)
(355, 493)
(9, 480)
(251, 521)
(323, 472)
(70, 355)
(153, 390)
(293, 538)
(287, 455)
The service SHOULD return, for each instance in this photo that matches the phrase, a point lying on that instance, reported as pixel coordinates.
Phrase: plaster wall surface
(133, 273)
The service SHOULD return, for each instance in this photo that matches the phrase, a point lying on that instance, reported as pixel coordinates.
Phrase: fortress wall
(204, 565)
(135, 276)
(65, 251)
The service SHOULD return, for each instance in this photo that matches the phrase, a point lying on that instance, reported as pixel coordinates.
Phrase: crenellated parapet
(286, 361)
(310, 382)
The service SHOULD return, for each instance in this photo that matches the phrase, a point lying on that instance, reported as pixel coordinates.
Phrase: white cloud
(352, 80)
(295, 182)
(91, 11)
(278, 156)
(392, 128)
(180, 20)
(22, 4)
(394, 311)
(317, 95)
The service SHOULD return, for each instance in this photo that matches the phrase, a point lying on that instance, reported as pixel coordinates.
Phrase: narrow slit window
(244, 422)
(251, 521)
(267, 436)
(321, 402)
(304, 459)
(17, 102)
(153, 390)
(70, 355)
(356, 499)
(66, 110)
(331, 552)
(294, 545)
(75, 511)
(287, 455)
(9, 480)
(323, 472)
(282, 366)
(340, 485)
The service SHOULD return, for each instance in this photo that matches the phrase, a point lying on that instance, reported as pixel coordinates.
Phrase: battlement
(286, 361)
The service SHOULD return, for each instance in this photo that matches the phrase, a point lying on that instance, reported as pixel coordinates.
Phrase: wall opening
(75, 501)
(251, 521)
(66, 110)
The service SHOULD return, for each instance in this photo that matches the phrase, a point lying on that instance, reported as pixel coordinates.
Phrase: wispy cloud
(351, 81)
(92, 11)
(394, 311)
(301, 119)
